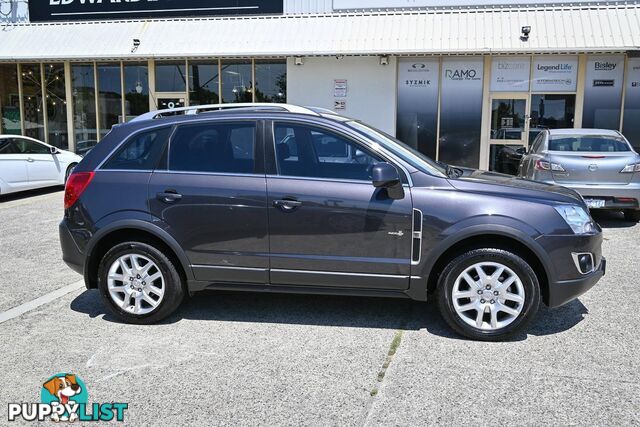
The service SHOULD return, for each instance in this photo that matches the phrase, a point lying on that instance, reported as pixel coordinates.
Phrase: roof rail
(197, 109)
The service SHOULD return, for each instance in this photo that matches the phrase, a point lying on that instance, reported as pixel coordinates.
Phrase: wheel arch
(139, 231)
(526, 248)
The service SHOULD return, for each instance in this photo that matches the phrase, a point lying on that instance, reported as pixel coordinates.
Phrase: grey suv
(278, 198)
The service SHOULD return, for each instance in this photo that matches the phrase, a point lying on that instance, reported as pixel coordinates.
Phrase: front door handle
(169, 196)
(287, 205)
(30, 160)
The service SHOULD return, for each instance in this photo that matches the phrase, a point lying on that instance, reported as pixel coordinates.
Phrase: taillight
(76, 184)
(542, 165)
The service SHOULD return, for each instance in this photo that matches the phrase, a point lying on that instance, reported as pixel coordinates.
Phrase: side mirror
(385, 175)
(53, 150)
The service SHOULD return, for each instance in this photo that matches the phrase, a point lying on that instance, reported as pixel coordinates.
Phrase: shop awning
(587, 28)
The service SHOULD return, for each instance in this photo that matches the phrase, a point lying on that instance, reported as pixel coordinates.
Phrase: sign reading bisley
(72, 10)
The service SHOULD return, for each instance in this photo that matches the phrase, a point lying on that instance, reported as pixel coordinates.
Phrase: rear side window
(588, 143)
(214, 147)
(141, 152)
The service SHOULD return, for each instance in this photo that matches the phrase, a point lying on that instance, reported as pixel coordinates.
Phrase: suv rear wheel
(139, 284)
(488, 294)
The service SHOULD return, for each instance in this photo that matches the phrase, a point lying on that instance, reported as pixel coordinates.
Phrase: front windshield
(408, 154)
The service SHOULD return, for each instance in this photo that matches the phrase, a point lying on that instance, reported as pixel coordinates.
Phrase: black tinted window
(214, 147)
(7, 146)
(588, 143)
(26, 146)
(141, 152)
(316, 153)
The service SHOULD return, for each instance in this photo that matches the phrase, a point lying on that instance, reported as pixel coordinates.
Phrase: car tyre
(632, 215)
(166, 280)
(525, 287)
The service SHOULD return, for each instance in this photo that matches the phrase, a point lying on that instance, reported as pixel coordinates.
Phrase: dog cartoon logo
(66, 390)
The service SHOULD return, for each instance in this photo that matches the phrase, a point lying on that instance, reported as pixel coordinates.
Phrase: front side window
(316, 153)
(26, 146)
(588, 143)
(141, 152)
(214, 147)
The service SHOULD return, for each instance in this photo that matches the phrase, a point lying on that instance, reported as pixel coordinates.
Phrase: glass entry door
(508, 139)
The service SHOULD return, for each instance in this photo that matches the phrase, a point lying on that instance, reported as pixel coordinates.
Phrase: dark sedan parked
(278, 198)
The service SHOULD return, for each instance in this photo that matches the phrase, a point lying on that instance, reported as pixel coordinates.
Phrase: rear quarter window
(141, 152)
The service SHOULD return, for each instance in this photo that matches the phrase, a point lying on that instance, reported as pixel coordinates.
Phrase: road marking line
(45, 299)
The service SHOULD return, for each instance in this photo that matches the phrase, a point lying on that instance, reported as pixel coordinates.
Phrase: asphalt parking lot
(251, 359)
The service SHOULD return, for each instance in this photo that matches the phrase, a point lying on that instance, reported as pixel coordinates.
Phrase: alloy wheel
(488, 296)
(136, 284)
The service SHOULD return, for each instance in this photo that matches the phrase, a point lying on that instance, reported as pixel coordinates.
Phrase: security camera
(384, 60)
(526, 30)
(298, 60)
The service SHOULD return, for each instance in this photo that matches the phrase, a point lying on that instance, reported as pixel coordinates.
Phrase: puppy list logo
(64, 397)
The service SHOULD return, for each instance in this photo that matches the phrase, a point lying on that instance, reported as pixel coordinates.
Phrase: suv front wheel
(139, 284)
(488, 294)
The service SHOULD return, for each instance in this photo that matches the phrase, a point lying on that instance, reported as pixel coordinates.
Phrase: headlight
(577, 217)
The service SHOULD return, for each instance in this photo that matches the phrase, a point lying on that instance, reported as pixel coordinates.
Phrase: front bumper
(565, 280)
(561, 292)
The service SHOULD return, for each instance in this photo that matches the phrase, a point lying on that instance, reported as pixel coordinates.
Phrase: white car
(26, 163)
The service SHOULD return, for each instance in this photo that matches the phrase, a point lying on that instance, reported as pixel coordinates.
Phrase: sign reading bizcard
(555, 74)
(510, 74)
(72, 10)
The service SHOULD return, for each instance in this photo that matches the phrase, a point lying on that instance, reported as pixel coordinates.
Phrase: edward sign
(74, 10)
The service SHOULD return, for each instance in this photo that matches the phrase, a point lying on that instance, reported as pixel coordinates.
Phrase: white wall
(371, 92)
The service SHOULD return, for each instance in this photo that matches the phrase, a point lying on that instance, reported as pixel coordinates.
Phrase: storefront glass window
(84, 106)
(171, 76)
(461, 111)
(271, 81)
(505, 158)
(417, 123)
(631, 127)
(109, 96)
(136, 89)
(56, 99)
(603, 92)
(9, 100)
(551, 112)
(203, 83)
(32, 99)
(237, 81)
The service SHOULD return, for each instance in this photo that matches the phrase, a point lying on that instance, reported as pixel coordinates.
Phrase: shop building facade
(469, 84)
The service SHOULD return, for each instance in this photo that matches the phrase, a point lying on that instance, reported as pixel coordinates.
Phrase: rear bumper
(564, 291)
(71, 254)
(611, 194)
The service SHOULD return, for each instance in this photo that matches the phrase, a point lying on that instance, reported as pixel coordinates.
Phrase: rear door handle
(287, 204)
(169, 196)
(30, 160)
